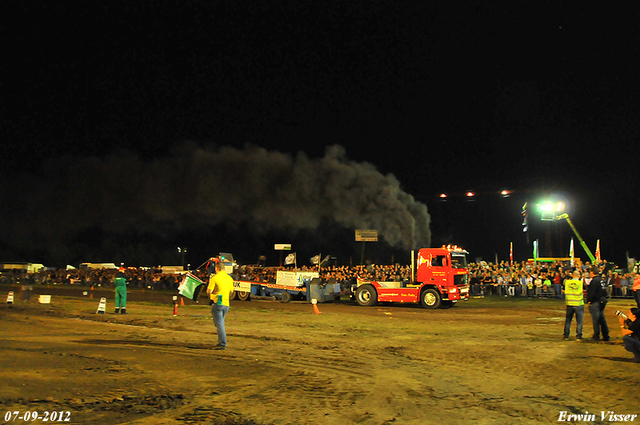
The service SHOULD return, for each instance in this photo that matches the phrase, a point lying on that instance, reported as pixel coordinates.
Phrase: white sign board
(294, 278)
(241, 286)
(366, 235)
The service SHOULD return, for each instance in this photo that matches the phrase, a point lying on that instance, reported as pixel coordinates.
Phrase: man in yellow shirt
(219, 289)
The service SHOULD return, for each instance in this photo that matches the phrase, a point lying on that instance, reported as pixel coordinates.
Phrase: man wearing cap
(219, 289)
(120, 282)
(574, 299)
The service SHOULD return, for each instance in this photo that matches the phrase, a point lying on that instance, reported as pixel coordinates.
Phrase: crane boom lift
(582, 243)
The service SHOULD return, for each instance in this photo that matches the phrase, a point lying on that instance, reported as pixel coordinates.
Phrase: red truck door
(439, 268)
(432, 267)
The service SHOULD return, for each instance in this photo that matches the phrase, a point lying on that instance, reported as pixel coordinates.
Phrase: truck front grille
(461, 279)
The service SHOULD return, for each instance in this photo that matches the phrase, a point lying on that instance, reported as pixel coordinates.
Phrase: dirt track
(487, 361)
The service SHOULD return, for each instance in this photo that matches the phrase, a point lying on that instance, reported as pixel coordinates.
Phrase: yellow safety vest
(573, 292)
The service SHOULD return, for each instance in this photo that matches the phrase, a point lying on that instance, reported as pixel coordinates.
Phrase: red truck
(441, 280)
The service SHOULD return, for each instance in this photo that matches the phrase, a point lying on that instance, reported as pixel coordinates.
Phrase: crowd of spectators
(485, 279)
(137, 278)
(542, 280)
(145, 278)
(341, 274)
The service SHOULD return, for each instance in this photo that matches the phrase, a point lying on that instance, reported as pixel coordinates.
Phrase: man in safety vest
(574, 299)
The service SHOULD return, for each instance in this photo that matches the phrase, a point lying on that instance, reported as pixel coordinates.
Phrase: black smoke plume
(75, 202)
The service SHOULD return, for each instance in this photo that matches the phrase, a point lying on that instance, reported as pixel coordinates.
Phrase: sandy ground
(485, 361)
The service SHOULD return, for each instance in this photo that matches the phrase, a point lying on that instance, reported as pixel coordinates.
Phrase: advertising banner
(241, 286)
(294, 278)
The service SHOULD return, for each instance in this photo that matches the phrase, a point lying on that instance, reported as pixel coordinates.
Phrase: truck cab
(442, 276)
(441, 280)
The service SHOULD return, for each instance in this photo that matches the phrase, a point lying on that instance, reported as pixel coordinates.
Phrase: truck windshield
(458, 261)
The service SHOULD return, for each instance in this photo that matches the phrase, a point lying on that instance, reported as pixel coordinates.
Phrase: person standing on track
(574, 299)
(597, 299)
(219, 289)
(120, 282)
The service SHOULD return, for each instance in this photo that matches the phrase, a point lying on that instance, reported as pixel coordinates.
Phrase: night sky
(132, 128)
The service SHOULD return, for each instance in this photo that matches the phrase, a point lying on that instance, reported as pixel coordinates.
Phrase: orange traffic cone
(315, 306)
(182, 301)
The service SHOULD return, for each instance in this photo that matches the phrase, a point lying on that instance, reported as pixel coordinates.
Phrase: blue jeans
(578, 310)
(597, 316)
(219, 312)
(632, 344)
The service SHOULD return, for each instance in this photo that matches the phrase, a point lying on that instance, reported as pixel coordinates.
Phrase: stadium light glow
(551, 210)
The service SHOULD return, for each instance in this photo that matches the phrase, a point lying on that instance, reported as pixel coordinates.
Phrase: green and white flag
(190, 287)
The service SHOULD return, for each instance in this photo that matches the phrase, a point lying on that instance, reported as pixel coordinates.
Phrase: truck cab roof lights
(455, 248)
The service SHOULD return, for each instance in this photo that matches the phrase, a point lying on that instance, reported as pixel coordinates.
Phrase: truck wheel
(430, 298)
(243, 296)
(366, 295)
(233, 295)
(285, 297)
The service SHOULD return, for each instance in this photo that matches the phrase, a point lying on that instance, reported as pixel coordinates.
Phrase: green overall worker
(120, 282)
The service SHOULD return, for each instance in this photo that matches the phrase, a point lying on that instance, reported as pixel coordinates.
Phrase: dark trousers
(599, 321)
(632, 344)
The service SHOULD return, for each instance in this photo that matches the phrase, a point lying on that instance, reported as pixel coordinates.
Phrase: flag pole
(571, 252)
